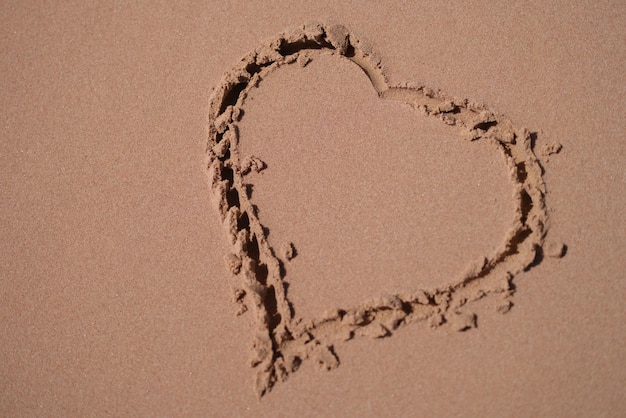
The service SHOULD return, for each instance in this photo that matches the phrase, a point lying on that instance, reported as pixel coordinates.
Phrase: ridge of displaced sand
(282, 340)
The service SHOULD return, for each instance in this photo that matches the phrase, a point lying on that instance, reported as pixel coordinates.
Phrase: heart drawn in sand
(283, 340)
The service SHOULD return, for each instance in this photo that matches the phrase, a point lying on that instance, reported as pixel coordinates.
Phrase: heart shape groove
(283, 340)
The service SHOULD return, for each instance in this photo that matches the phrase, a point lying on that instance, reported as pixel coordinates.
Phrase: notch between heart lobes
(283, 340)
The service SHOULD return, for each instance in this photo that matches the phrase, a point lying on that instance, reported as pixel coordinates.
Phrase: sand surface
(418, 171)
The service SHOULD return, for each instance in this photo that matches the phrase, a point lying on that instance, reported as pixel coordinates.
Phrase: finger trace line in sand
(283, 340)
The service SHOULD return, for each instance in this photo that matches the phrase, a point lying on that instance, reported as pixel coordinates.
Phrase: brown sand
(358, 207)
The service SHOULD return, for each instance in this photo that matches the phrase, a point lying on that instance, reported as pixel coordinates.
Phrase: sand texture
(281, 209)
(284, 339)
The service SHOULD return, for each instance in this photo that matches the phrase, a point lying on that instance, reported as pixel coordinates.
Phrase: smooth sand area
(407, 209)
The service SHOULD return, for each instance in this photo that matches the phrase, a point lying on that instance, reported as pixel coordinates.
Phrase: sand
(261, 210)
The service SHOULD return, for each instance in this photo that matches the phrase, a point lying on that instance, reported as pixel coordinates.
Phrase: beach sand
(316, 210)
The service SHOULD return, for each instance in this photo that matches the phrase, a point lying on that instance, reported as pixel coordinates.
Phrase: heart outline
(283, 340)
